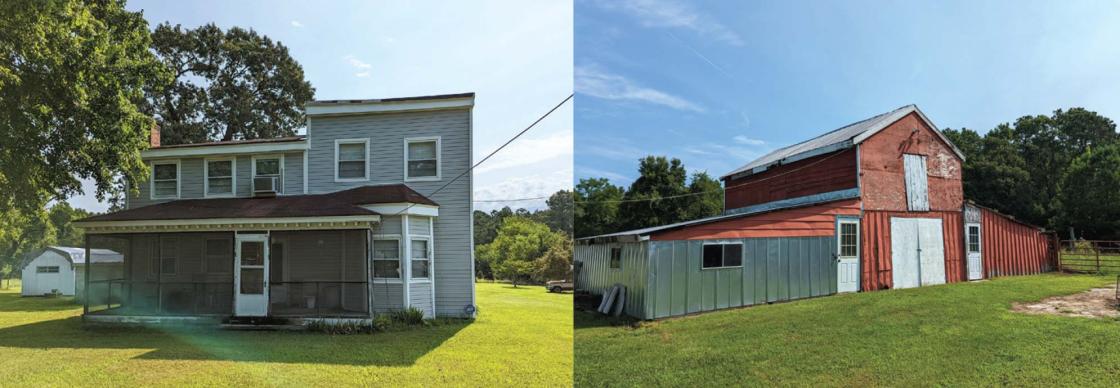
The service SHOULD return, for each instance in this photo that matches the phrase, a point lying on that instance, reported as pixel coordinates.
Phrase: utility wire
(512, 200)
(721, 189)
(468, 171)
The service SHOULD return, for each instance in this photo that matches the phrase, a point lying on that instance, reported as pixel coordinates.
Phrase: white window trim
(428, 243)
(439, 158)
(339, 142)
(178, 179)
(742, 252)
(253, 171)
(206, 176)
(400, 252)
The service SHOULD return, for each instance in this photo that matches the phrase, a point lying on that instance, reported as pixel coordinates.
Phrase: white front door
(251, 275)
(847, 255)
(917, 252)
(972, 246)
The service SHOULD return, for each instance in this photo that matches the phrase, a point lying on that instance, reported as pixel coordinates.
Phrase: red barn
(872, 205)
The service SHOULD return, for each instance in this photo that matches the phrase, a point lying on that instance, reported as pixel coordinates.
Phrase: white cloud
(674, 14)
(527, 151)
(526, 186)
(595, 82)
(363, 67)
(748, 141)
(616, 178)
(297, 24)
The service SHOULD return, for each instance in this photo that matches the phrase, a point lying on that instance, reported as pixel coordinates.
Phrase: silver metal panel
(679, 292)
(773, 268)
(761, 271)
(917, 195)
(695, 296)
(596, 275)
(829, 250)
(664, 276)
(817, 286)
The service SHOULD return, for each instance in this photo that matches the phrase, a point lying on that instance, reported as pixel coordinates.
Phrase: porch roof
(350, 205)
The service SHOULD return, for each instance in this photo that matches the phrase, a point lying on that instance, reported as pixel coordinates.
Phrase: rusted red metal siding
(882, 175)
(876, 242)
(1009, 247)
(820, 174)
(809, 221)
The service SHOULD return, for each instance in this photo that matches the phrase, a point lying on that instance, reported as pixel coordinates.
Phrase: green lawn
(523, 336)
(959, 334)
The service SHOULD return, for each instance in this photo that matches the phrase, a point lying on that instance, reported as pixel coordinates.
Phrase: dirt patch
(1095, 303)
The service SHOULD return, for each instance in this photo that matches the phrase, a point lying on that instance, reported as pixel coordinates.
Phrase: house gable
(882, 169)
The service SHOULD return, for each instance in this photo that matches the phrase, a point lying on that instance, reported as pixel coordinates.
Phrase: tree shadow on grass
(14, 302)
(391, 348)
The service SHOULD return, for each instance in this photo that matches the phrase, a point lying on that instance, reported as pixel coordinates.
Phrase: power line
(512, 200)
(468, 171)
(721, 189)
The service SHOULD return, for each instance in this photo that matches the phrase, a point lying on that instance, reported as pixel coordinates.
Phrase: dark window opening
(616, 258)
(723, 255)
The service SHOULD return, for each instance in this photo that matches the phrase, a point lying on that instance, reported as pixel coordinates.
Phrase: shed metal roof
(835, 140)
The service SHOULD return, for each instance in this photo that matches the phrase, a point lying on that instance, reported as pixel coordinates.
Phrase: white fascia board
(337, 109)
(887, 121)
(228, 221)
(404, 208)
(225, 149)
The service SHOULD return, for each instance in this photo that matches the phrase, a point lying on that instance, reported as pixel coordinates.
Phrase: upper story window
(421, 156)
(269, 167)
(165, 180)
(350, 160)
(220, 180)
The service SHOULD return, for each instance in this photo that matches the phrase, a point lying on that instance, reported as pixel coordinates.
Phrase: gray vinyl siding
(420, 294)
(390, 225)
(671, 282)
(386, 133)
(191, 183)
(387, 296)
(419, 225)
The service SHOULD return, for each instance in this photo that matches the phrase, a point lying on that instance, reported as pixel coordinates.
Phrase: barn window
(847, 239)
(47, 269)
(917, 195)
(616, 258)
(973, 238)
(723, 255)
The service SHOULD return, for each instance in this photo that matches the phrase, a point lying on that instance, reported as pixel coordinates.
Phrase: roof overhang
(342, 108)
(228, 224)
(225, 149)
(404, 208)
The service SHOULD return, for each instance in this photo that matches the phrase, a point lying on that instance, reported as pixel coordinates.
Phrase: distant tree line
(1057, 171)
(525, 246)
(664, 193)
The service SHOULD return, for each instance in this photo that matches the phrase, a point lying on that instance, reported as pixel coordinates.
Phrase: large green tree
(1089, 198)
(228, 85)
(517, 251)
(72, 79)
(597, 207)
(655, 197)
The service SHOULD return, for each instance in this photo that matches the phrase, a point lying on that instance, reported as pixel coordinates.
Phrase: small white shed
(61, 269)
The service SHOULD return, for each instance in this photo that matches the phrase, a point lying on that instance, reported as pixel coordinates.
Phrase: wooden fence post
(1097, 250)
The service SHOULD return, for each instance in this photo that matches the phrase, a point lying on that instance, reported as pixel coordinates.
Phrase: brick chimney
(154, 138)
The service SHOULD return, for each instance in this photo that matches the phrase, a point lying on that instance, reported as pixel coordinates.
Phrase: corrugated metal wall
(774, 270)
(1012, 248)
(596, 275)
(876, 235)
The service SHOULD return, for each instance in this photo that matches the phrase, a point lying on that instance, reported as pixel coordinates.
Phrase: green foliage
(411, 316)
(663, 194)
(597, 207)
(558, 216)
(72, 81)
(518, 253)
(556, 263)
(234, 84)
(20, 234)
(1089, 198)
(61, 216)
(559, 213)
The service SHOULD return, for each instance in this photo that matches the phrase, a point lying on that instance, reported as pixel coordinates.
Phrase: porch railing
(144, 297)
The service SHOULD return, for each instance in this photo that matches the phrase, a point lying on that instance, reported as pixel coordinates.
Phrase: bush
(411, 316)
(382, 322)
(342, 327)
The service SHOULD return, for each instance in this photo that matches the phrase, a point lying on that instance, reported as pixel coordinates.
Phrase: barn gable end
(882, 171)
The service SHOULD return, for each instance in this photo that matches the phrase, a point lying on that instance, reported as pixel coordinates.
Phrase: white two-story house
(368, 212)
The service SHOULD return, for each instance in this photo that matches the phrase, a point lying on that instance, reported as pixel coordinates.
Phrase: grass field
(958, 334)
(522, 337)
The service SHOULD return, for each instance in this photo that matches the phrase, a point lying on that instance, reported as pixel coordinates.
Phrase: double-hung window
(220, 181)
(165, 180)
(421, 259)
(723, 255)
(421, 156)
(350, 160)
(387, 259)
(269, 167)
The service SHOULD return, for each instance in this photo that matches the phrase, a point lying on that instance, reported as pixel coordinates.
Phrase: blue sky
(516, 55)
(718, 83)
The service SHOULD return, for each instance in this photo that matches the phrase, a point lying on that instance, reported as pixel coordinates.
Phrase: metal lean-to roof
(835, 140)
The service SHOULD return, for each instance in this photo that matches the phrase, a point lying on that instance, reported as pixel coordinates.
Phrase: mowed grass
(522, 337)
(958, 335)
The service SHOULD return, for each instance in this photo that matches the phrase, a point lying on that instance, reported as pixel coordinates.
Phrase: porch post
(159, 274)
(406, 267)
(369, 272)
(85, 292)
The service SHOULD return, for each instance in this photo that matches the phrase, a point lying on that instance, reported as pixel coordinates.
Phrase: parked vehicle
(559, 285)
